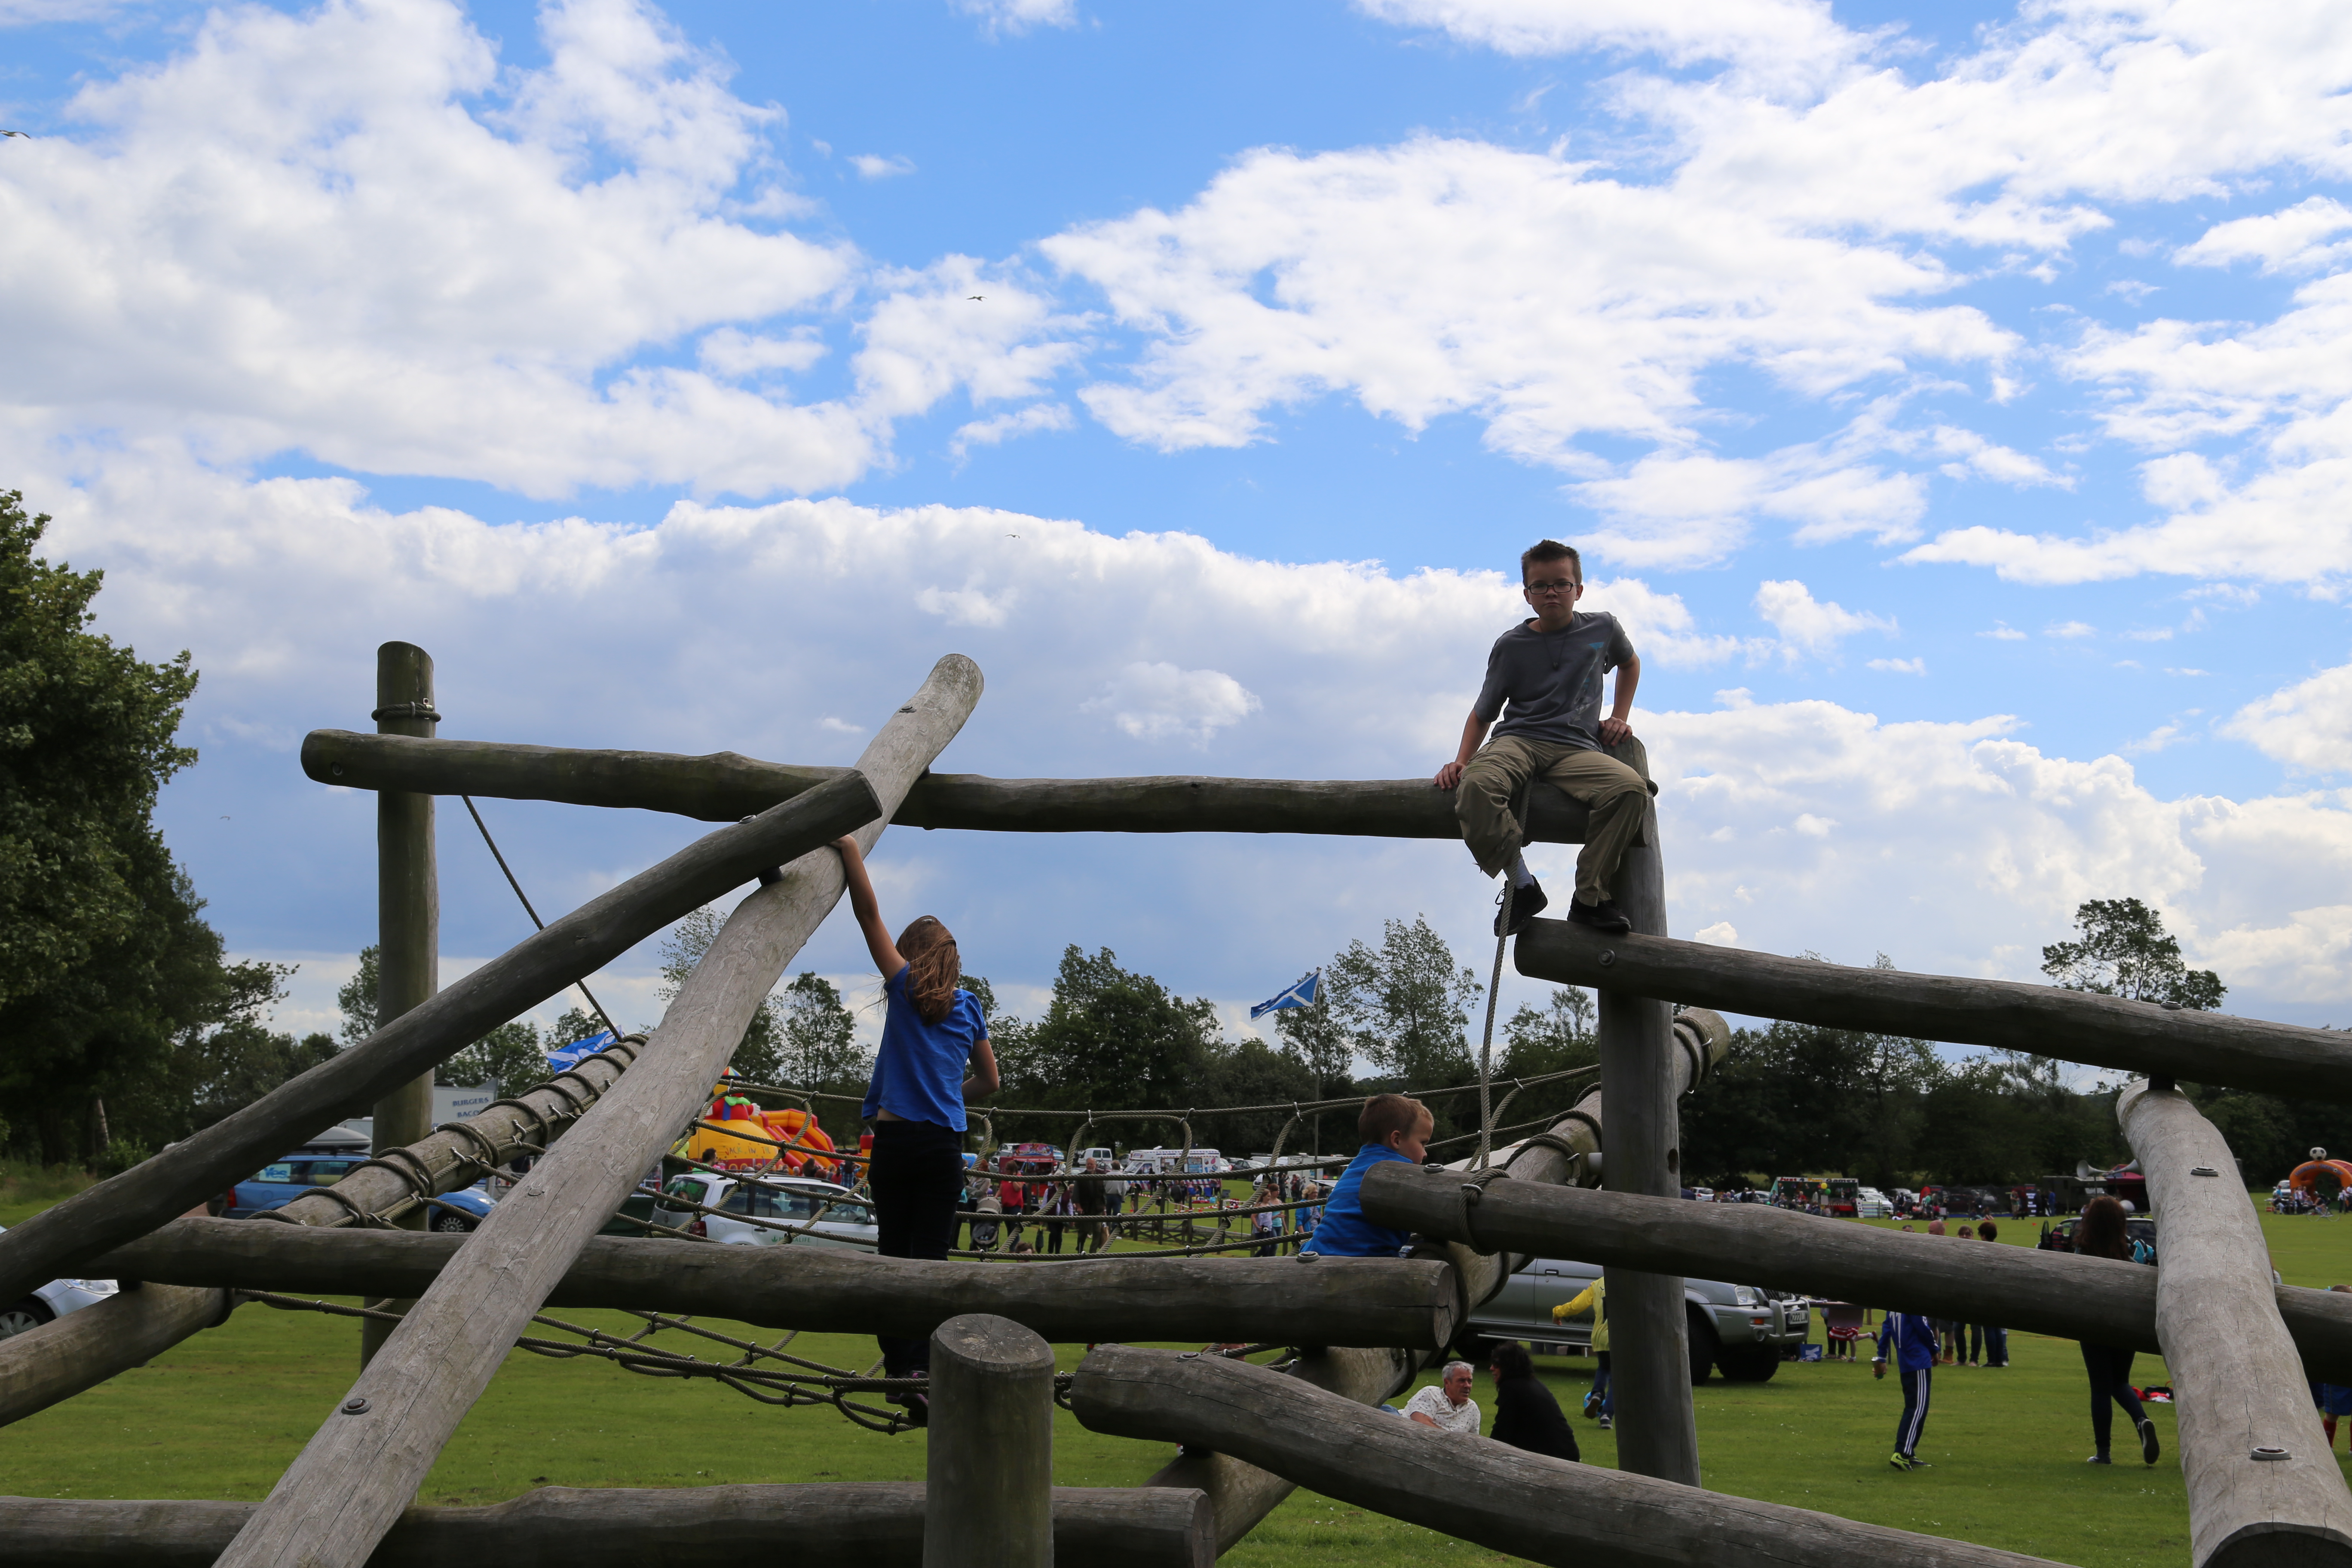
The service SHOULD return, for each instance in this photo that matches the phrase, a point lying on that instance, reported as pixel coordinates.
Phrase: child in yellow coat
(1593, 1300)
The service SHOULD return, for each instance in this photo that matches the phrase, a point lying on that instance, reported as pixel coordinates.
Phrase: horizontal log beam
(723, 787)
(81, 1350)
(871, 1525)
(1364, 1300)
(200, 1166)
(2137, 1037)
(1474, 1489)
(2095, 1298)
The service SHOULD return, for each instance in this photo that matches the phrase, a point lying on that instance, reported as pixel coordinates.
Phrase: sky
(1952, 400)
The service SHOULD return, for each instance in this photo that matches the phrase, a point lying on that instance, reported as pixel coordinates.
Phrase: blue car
(280, 1182)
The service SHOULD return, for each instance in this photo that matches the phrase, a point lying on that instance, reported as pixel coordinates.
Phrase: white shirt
(1451, 1418)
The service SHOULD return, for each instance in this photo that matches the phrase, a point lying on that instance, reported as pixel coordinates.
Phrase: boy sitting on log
(1392, 1127)
(1548, 670)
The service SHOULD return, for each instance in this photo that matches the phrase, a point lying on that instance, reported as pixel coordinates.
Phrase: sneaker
(2148, 1447)
(1592, 1403)
(1526, 904)
(919, 1409)
(1605, 1423)
(2098, 1459)
(1900, 1461)
(1602, 916)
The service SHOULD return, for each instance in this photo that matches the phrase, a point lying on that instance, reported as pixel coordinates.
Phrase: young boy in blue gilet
(1392, 1127)
(1912, 1339)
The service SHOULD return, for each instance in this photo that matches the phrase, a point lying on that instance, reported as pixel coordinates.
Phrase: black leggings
(2110, 1369)
(917, 1179)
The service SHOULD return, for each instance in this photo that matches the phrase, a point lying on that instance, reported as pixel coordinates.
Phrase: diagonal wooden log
(722, 786)
(871, 1525)
(351, 1482)
(2263, 1489)
(1544, 1509)
(2106, 1031)
(1364, 1300)
(81, 1350)
(200, 1165)
(2055, 1293)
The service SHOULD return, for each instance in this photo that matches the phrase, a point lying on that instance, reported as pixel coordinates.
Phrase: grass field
(221, 1414)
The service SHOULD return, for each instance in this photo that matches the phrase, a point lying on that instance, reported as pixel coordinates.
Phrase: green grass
(221, 1414)
(25, 1189)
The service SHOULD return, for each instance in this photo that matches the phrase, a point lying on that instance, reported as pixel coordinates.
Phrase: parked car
(847, 1220)
(280, 1182)
(1742, 1329)
(1082, 1156)
(461, 1210)
(51, 1301)
(1869, 1203)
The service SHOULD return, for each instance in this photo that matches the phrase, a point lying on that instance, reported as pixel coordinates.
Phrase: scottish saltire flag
(1301, 994)
(560, 1058)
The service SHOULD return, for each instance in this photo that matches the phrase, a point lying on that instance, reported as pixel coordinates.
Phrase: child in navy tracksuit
(1913, 1341)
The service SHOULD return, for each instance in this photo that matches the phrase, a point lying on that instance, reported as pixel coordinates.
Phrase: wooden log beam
(81, 1350)
(873, 1525)
(2074, 1026)
(2263, 1489)
(723, 787)
(1474, 1489)
(350, 1483)
(203, 1164)
(1402, 1303)
(2056, 1293)
(988, 1472)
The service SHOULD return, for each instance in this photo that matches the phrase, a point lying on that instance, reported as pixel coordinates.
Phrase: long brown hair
(933, 966)
(2101, 1232)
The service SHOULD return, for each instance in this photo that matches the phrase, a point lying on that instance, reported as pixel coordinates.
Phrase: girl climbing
(931, 1030)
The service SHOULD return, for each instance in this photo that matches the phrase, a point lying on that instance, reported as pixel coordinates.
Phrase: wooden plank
(408, 919)
(1473, 1489)
(2074, 1026)
(351, 1482)
(81, 1350)
(203, 1164)
(989, 1451)
(723, 787)
(2263, 1489)
(1407, 1304)
(873, 1525)
(1649, 1340)
(2054, 1293)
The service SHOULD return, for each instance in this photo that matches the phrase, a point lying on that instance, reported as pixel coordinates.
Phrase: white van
(1165, 1161)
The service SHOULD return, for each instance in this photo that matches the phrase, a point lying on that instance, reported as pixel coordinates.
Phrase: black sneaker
(1602, 916)
(2148, 1449)
(1526, 904)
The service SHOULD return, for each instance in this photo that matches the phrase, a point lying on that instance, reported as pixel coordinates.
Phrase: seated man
(1393, 1127)
(1448, 1407)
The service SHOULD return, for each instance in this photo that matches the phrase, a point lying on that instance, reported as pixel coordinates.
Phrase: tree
(357, 996)
(104, 960)
(1406, 1003)
(1315, 1039)
(819, 1050)
(759, 1055)
(1556, 1038)
(510, 1056)
(1111, 1039)
(2123, 951)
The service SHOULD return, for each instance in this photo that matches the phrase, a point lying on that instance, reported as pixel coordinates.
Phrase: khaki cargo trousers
(1613, 785)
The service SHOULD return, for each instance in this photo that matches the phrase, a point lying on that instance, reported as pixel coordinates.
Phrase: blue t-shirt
(1345, 1232)
(919, 1072)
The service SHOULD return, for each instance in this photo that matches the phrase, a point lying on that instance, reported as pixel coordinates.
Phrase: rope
(1495, 992)
(539, 924)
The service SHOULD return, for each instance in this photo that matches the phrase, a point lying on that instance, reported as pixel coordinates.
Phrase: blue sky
(1951, 399)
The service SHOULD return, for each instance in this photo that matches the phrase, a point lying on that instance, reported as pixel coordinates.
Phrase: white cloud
(1779, 38)
(2003, 632)
(2070, 630)
(1807, 627)
(734, 353)
(2307, 726)
(874, 166)
(1014, 17)
(1157, 702)
(1900, 665)
(1722, 933)
(1004, 427)
(2284, 241)
(2155, 741)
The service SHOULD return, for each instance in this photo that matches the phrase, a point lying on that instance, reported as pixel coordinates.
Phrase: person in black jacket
(1525, 1414)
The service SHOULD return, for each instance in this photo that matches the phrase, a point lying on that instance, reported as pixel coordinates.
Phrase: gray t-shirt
(1552, 680)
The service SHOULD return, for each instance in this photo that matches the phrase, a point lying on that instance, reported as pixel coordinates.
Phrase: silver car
(51, 1301)
(1741, 1329)
(793, 1211)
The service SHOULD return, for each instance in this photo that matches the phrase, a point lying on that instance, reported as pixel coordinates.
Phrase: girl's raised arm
(867, 911)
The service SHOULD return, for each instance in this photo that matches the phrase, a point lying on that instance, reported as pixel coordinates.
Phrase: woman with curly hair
(931, 1030)
(2102, 1233)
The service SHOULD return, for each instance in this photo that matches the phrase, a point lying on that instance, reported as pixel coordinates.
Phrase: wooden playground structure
(2264, 1488)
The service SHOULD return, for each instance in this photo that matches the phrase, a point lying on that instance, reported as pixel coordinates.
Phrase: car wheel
(450, 1223)
(1703, 1346)
(1749, 1363)
(30, 1313)
(1475, 1347)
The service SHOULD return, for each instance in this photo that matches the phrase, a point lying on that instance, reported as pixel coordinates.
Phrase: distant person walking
(1594, 1298)
(1991, 1338)
(1526, 1414)
(1911, 1340)
(2102, 1233)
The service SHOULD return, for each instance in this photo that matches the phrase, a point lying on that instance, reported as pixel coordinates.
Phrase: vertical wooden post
(988, 1488)
(408, 918)
(1649, 1340)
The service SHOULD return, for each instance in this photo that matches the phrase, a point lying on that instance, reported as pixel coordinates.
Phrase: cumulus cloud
(2288, 240)
(1775, 38)
(1002, 19)
(874, 166)
(1807, 627)
(1157, 702)
(2307, 726)
(1899, 666)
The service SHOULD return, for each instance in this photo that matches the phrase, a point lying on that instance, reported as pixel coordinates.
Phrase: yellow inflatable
(806, 1151)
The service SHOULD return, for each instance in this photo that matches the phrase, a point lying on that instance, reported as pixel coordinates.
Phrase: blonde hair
(933, 966)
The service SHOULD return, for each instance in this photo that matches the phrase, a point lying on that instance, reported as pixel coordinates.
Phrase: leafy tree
(820, 1038)
(104, 960)
(1319, 1044)
(2124, 951)
(1111, 1039)
(1406, 1003)
(1556, 1038)
(759, 1055)
(357, 996)
(510, 1056)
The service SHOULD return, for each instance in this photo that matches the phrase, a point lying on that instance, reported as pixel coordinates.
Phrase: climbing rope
(595, 1005)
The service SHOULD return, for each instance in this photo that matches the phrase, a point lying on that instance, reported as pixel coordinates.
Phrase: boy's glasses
(1557, 585)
